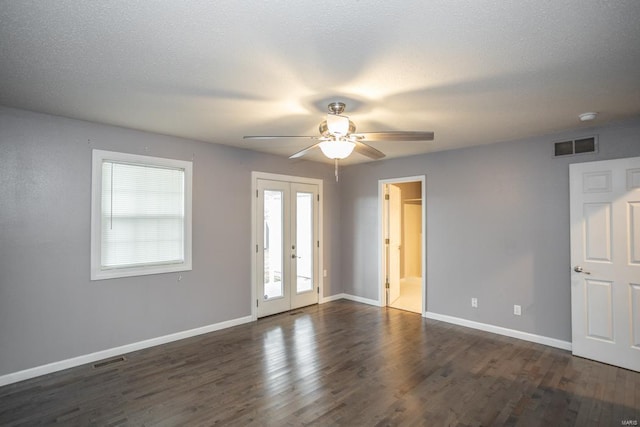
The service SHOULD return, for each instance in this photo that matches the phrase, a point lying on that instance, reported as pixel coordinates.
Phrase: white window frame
(97, 272)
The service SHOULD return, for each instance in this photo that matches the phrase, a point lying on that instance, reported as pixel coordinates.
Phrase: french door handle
(578, 269)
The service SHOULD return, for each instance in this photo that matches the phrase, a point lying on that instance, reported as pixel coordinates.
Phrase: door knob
(579, 269)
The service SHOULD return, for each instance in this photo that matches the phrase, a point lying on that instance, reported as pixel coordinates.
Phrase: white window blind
(142, 215)
(143, 209)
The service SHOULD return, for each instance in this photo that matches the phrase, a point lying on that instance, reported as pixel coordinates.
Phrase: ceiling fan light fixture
(337, 148)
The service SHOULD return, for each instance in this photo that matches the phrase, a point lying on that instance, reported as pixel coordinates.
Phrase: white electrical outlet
(474, 302)
(517, 310)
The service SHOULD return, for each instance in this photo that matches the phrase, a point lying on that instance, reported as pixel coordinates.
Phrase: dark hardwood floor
(340, 363)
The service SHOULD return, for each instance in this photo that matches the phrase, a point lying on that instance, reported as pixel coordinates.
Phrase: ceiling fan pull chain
(336, 163)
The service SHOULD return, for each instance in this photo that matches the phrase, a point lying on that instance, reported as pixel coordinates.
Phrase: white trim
(255, 176)
(116, 351)
(381, 255)
(331, 298)
(361, 299)
(526, 336)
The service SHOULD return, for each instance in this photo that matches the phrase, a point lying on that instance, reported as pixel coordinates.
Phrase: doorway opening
(402, 210)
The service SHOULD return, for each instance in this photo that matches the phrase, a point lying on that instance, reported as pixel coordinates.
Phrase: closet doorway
(403, 243)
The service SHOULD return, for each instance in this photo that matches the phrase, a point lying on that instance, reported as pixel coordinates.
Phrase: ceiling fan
(338, 137)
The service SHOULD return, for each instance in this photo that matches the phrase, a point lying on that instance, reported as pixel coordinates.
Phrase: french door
(286, 245)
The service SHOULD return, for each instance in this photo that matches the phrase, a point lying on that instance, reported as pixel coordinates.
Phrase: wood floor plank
(340, 363)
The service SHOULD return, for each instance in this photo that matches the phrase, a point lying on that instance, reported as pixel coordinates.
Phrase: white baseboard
(331, 298)
(116, 351)
(361, 299)
(552, 342)
(128, 348)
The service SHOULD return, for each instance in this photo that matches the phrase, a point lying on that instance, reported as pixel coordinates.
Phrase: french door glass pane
(304, 242)
(273, 240)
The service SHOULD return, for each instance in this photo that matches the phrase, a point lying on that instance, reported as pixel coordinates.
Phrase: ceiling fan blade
(395, 136)
(303, 152)
(367, 150)
(278, 136)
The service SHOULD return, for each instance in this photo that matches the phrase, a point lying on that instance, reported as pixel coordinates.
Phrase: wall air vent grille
(109, 362)
(563, 148)
(576, 146)
(585, 145)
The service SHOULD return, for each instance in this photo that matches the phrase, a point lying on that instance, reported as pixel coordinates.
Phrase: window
(140, 215)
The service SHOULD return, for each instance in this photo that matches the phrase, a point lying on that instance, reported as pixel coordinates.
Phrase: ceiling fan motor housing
(335, 120)
(324, 129)
(336, 107)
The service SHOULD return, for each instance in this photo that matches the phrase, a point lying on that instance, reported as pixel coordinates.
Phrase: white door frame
(255, 176)
(381, 252)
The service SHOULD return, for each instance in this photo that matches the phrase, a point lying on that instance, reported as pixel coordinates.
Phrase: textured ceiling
(474, 72)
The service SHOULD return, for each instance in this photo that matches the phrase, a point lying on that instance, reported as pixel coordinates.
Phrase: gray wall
(497, 227)
(51, 311)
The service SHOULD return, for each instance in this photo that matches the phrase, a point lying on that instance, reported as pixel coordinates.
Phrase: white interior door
(287, 246)
(395, 241)
(605, 257)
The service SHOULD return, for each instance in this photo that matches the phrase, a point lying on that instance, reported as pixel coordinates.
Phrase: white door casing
(287, 248)
(605, 261)
(383, 223)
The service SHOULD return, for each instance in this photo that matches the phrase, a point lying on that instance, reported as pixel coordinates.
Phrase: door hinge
(257, 302)
(386, 241)
(386, 284)
(318, 243)
(256, 248)
(256, 193)
(318, 197)
(386, 197)
(318, 290)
